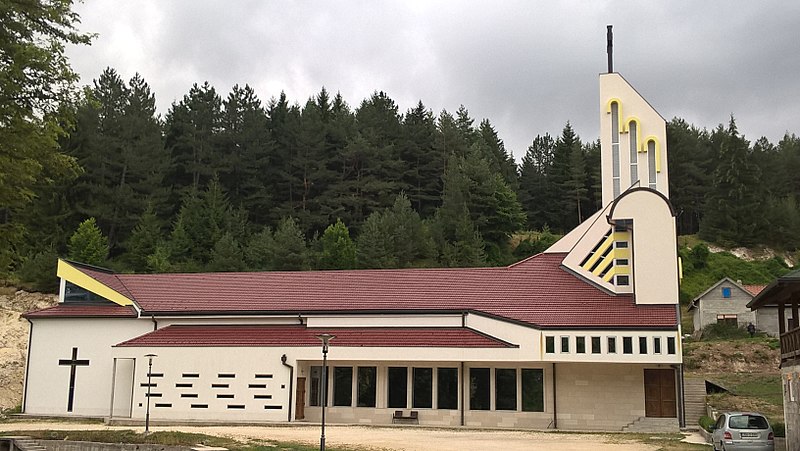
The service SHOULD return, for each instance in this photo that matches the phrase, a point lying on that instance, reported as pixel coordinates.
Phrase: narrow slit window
(398, 387)
(367, 382)
(532, 390)
(550, 345)
(580, 345)
(262, 396)
(226, 375)
(633, 137)
(670, 345)
(564, 344)
(199, 406)
(191, 375)
(505, 389)
(642, 345)
(615, 148)
(657, 345)
(651, 162)
(612, 345)
(188, 395)
(163, 404)
(479, 394)
(447, 388)
(596, 345)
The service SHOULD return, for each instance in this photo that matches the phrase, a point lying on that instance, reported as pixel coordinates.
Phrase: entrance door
(300, 402)
(122, 391)
(659, 394)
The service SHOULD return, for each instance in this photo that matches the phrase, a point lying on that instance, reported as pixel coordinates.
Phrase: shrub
(722, 331)
(706, 422)
(779, 429)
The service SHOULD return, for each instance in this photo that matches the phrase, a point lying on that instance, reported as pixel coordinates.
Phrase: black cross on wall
(72, 363)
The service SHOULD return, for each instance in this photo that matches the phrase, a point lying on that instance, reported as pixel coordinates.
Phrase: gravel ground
(386, 438)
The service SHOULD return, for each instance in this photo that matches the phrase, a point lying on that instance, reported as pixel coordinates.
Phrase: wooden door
(300, 402)
(659, 394)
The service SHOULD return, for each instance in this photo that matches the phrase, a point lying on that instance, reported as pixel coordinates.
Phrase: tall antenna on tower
(610, 48)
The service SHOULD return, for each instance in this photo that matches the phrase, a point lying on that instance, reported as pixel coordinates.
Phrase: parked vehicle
(735, 431)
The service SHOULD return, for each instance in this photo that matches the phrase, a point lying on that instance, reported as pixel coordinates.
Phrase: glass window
(367, 377)
(615, 148)
(621, 262)
(550, 345)
(505, 384)
(580, 345)
(398, 387)
(633, 138)
(447, 388)
(670, 345)
(726, 292)
(595, 345)
(422, 387)
(479, 393)
(657, 345)
(642, 345)
(651, 162)
(564, 344)
(627, 345)
(532, 390)
(612, 345)
(343, 386)
(621, 245)
(315, 389)
(623, 281)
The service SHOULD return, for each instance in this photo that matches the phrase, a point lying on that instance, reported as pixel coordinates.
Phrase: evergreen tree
(423, 177)
(689, 169)
(143, 240)
(227, 255)
(338, 249)
(535, 186)
(88, 244)
(494, 151)
(373, 245)
(192, 136)
(289, 248)
(259, 252)
(575, 185)
(732, 213)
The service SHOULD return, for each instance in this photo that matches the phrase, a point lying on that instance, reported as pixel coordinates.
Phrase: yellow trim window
(72, 274)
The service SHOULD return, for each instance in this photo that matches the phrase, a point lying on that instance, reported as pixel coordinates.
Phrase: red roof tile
(754, 289)
(536, 291)
(83, 311)
(261, 335)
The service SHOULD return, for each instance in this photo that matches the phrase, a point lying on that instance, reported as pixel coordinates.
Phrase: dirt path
(388, 438)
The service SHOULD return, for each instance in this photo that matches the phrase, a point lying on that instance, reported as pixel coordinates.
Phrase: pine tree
(535, 185)
(227, 255)
(259, 252)
(423, 177)
(289, 249)
(373, 245)
(143, 240)
(88, 244)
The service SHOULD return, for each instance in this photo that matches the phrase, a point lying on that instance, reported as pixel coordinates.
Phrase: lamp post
(149, 385)
(325, 338)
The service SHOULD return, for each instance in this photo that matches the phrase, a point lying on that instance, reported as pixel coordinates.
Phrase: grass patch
(169, 438)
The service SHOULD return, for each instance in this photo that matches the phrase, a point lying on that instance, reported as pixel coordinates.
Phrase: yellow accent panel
(609, 259)
(606, 243)
(622, 253)
(680, 269)
(624, 270)
(657, 146)
(76, 276)
(638, 130)
(619, 111)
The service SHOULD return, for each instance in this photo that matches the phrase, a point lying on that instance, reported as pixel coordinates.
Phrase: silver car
(735, 431)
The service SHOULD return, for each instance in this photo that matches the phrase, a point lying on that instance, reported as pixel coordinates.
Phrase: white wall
(47, 385)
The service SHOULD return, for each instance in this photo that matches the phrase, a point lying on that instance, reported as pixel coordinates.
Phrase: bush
(706, 422)
(38, 273)
(779, 429)
(722, 331)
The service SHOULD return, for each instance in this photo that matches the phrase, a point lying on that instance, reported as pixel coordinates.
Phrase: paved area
(387, 438)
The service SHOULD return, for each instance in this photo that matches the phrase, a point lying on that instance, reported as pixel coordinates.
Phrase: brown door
(300, 402)
(659, 394)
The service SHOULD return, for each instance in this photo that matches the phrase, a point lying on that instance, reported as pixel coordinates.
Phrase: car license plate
(750, 434)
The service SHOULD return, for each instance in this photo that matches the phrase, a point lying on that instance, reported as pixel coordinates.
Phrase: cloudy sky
(529, 67)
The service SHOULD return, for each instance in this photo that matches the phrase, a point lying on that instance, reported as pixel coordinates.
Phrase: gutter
(461, 388)
(291, 385)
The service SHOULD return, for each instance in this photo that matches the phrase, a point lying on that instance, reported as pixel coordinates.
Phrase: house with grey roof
(725, 302)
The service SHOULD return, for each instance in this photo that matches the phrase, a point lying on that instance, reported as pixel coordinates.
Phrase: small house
(726, 302)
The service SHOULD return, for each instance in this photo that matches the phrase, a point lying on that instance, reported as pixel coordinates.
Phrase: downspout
(27, 366)
(555, 410)
(291, 385)
(461, 387)
(155, 323)
(681, 394)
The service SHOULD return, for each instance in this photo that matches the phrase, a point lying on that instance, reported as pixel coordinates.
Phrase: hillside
(14, 340)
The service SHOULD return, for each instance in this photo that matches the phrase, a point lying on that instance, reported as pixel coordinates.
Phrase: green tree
(143, 241)
(373, 245)
(338, 249)
(259, 253)
(289, 248)
(732, 211)
(535, 185)
(689, 169)
(37, 85)
(227, 255)
(88, 244)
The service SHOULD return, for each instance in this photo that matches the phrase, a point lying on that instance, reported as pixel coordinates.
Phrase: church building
(584, 336)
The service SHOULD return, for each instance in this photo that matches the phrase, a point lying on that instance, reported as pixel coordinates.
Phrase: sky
(527, 66)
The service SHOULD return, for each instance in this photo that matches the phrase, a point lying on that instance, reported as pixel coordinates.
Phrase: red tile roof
(754, 289)
(261, 335)
(83, 311)
(536, 291)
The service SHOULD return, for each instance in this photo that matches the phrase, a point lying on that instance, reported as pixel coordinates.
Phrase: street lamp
(325, 338)
(149, 385)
